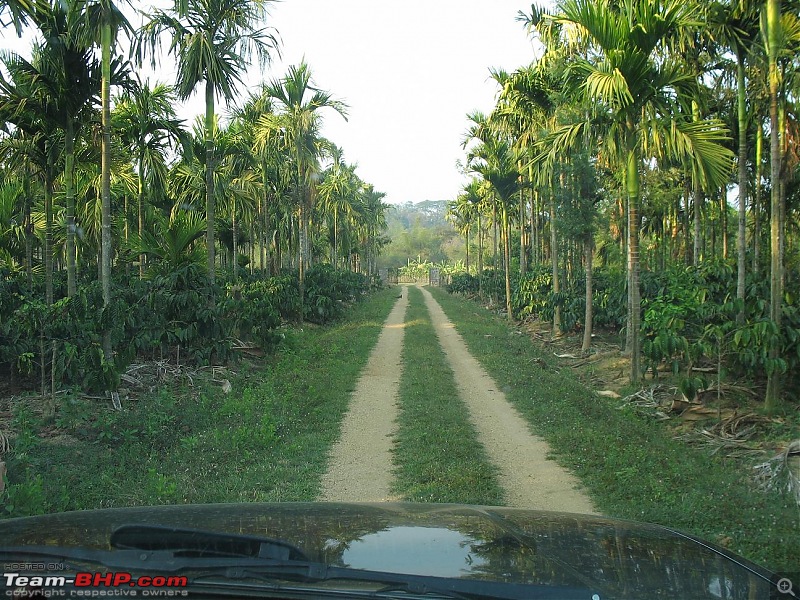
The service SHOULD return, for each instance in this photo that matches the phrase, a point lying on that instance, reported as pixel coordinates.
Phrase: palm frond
(700, 142)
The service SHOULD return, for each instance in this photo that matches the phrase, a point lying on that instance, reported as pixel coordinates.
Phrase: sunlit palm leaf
(701, 142)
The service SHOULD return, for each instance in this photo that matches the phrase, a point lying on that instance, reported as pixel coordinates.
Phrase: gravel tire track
(529, 478)
(360, 463)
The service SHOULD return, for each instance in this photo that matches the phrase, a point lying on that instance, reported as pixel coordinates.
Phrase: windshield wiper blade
(199, 543)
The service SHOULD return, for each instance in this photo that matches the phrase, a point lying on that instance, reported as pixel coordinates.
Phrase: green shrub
(171, 313)
(328, 292)
(464, 283)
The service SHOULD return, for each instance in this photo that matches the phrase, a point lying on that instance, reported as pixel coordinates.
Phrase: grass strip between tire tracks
(266, 440)
(437, 453)
(630, 465)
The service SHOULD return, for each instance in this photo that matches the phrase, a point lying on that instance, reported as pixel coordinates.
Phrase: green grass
(631, 466)
(437, 451)
(265, 441)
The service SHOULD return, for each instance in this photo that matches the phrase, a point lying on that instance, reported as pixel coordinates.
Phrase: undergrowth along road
(630, 465)
(266, 440)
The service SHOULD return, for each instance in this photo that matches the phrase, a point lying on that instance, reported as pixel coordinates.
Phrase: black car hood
(618, 559)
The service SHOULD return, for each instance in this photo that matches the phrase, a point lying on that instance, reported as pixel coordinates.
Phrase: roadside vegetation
(257, 431)
(630, 463)
(132, 242)
(438, 456)
(126, 234)
(640, 176)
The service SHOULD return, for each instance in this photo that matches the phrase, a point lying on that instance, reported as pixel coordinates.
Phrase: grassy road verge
(437, 452)
(630, 465)
(266, 440)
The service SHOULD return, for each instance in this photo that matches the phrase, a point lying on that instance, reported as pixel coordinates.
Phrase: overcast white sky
(410, 71)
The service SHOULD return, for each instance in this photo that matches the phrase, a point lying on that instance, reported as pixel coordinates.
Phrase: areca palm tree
(213, 41)
(735, 25)
(338, 191)
(146, 122)
(68, 78)
(104, 21)
(496, 162)
(36, 142)
(618, 64)
(171, 246)
(241, 177)
(297, 126)
(462, 214)
(773, 34)
(526, 110)
(371, 221)
(268, 159)
(20, 13)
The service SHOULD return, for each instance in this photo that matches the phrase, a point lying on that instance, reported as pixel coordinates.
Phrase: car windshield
(487, 293)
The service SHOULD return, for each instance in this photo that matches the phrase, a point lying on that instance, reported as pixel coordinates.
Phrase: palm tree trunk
(776, 278)
(266, 235)
(105, 185)
(301, 256)
(697, 201)
(523, 242)
(588, 247)
(27, 224)
(209, 133)
(535, 254)
(554, 261)
(782, 178)
(634, 295)
(335, 237)
(756, 209)
(48, 237)
(494, 235)
(495, 255)
(723, 207)
(263, 261)
(741, 244)
(507, 260)
(466, 236)
(480, 245)
(480, 254)
(234, 227)
(140, 205)
(69, 185)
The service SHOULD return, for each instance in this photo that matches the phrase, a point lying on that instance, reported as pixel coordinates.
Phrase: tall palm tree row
(212, 40)
(100, 176)
(627, 118)
(58, 107)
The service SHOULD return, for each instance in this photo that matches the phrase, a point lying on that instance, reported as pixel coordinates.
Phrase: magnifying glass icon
(784, 586)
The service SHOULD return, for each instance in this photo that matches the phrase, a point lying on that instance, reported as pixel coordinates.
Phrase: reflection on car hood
(615, 558)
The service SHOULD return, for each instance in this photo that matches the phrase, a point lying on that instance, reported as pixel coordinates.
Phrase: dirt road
(361, 462)
(359, 468)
